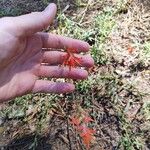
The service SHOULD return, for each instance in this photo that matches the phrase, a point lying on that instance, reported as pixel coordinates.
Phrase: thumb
(31, 23)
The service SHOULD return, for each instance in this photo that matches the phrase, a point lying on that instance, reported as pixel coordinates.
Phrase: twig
(68, 134)
(84, 12)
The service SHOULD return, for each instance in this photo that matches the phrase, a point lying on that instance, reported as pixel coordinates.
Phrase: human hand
(24, 57)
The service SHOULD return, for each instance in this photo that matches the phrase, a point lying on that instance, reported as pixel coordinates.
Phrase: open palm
(26, 55)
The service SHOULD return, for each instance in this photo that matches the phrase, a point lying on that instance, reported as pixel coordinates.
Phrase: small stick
(68, 134)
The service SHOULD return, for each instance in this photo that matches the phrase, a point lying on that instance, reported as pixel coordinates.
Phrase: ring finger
(62, 72)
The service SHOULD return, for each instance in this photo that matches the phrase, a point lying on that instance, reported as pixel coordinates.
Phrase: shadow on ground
(146, 3)
(28, 142)
(18, 7)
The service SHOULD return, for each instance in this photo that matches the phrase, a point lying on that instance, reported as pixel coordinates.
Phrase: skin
(27, 54)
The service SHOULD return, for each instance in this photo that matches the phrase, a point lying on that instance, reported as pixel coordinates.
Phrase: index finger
(26, 25)
(61, 42)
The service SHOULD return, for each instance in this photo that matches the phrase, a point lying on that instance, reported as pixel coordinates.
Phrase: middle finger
(56, 58)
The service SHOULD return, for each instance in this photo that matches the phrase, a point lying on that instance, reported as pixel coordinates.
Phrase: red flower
(71, 60)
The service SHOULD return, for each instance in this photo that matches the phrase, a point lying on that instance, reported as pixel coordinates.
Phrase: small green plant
(146, 110)
(146, 50)
(104, 23)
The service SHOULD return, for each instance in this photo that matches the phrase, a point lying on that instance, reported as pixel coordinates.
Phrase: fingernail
(49, 6)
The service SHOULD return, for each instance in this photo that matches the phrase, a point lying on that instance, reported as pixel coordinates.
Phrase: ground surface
(117, 93)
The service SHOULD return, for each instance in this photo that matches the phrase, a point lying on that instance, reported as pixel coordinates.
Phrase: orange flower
(130, 49)
(87, 135)
(75, 121)
(87, 119)
(71, 60)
